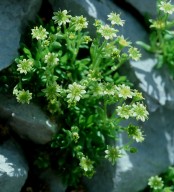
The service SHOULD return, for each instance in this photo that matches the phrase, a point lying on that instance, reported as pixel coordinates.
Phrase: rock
(51, 178)
(155, 83)
(14, 14)
(103, 180)
(13, 167)
(147, 8)
(27, 120)
(156, 153)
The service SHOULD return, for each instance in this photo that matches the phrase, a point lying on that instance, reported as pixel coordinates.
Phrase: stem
(97, 55)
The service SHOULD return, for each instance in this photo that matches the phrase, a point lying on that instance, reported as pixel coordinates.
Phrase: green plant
(162, 36)
(162, 183)
(75, 79)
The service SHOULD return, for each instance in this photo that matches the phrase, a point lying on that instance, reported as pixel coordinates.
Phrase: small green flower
(124, 111)
(61, 17)
(156, 182)
(75, 92)
(137, 95)
(111, 50)
(75, 134)
(52, 91)
(54, 106)
(45, 43)
(51, 59)
(97, 23)
(72, 36)
(86, 164)
(115, 19)
(158, 24)
(112, 154)
(107, 32)
(167, 189)
(22, 96)
(98, 90)
(109, 91)
(135, 133)
(39, 33)
(79, 22)
(124, 91)
(166, 7)
(139, 111)
(25, 65)
(87, 39)
(134, 53)
(123, 42)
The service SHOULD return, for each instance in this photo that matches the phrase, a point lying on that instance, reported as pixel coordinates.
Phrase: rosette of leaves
(75, 78)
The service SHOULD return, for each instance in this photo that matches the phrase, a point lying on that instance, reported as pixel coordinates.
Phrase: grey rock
(157, 84)
(146, 8)
(103, 180)
(13, 167)
(156, 153)
(27, 120)
(14, 14)
(53, 181)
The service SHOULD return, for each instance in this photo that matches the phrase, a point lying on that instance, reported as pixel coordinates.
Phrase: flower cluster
(107, 32)
(76, 78)
(22, 96)
(166, 7)
(39, 33)
(61, 17)
(156, 182)
(51, 59)
(135, 133)
(137, 110)
(115, 19)
(25, 65)
(79, 23)
(113, 153)
(75, 92)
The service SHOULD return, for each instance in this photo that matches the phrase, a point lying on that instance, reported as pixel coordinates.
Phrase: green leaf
(144, 45)
(27, 52)
(133, 150)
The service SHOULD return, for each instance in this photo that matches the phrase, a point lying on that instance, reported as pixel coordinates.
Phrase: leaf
(27, 52)
(144, 45)
(90, 121)
(160, 61)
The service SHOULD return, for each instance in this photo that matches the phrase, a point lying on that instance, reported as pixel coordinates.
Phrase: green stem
(97, 55)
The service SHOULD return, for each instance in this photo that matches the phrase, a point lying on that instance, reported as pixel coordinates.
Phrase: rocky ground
(18, 124)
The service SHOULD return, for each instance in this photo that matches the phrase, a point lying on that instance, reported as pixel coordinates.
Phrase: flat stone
(27, 120)
(147, 7)
(53, 180)
(14, 15)
(13, 167)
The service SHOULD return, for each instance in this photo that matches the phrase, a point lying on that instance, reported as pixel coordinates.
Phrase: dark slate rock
(14, 15)
(13, 167)
(146, 8)
(27, 120)
(53, 180)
